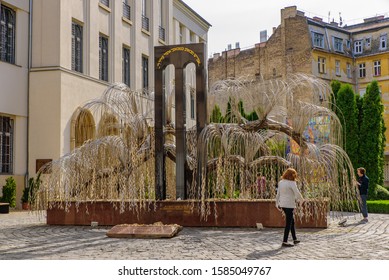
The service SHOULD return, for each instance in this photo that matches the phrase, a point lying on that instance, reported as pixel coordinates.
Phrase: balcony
(126, 11)
(145, 23)
(161, 33)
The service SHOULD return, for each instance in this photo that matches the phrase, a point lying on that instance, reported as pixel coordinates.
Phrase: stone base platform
(156, 230)
(222, 213)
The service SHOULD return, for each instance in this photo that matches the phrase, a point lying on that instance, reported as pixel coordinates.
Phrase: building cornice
(190, 13)
(62, 69)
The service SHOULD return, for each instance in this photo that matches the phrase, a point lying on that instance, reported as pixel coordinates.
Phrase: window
(362, 70)
(318, 40)
(383, 42)
(126, 66)
(126, 10)
(193, 38)
(145, 72)
(338, 44)
(181, 30)
(161, 22)
(337, 67)
(348, 44)
(145, 19)
(377, 68)
(103, 58)
(358, 47)
(76, 47)
(7, 34)
(105, 2)
(367, 42)
(349, 70)
(6, 145)
(321, 64)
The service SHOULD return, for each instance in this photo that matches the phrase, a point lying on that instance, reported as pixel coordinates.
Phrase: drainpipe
(29, 63)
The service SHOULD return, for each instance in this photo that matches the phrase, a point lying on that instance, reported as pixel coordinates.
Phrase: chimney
(263, 36)
(237, 45)
(229, 47)
(333, 23)
(318, 19)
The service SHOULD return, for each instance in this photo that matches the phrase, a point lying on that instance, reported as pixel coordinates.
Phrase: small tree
(347, 105)
(372, 136)
(9, 192)
(335, 86)
(216, 115)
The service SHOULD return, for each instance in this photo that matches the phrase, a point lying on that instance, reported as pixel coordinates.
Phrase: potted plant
(26, 195)
(29, 192)
(9, 195)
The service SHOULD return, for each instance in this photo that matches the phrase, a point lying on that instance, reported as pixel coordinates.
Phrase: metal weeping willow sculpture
(295, 128)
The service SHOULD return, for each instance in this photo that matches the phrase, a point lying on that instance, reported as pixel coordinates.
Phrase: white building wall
(14, 95)
(57, 91)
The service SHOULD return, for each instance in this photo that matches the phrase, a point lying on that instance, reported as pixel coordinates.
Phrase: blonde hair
(290, 174)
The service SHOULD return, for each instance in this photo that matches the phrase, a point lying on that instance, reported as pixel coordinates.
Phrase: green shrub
(9, 192)
(378, 206)
(381, 193)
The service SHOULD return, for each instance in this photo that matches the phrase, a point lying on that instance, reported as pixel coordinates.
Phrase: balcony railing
(105, 2)
(145, 23)
(126, 11)
(162, 33)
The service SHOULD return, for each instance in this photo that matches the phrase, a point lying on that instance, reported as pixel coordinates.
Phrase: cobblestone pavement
(24, 235)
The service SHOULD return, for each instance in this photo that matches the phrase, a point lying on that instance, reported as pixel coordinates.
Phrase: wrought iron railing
(162, 33)
(145, 23)
(126, 11)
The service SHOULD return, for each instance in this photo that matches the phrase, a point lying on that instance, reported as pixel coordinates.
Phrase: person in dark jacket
(363, 186)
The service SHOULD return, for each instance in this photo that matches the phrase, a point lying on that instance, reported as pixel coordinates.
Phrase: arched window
(108, 125)
(84, 128)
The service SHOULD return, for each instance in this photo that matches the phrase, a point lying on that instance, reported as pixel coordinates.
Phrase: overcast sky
(241, 21)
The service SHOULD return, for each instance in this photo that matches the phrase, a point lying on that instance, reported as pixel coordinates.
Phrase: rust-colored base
(228, 214)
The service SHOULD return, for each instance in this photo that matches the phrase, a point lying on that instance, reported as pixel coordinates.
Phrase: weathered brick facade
(288, 50)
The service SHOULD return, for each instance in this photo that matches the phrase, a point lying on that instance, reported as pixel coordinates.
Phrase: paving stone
(24, 235)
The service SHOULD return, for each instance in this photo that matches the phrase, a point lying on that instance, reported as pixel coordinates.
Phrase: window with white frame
(362, 70)
(358, 47)
(6, 145)
(377, 68)
(318, 40)
(77, 50)
(321, 65)
(368, 42)
(7, 34)
(126, 65)
(383, 42)
(338, 44)
(103, 58)
(337, 67)
(348, 67)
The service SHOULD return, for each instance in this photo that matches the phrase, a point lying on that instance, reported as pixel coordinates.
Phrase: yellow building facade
(356, 54)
